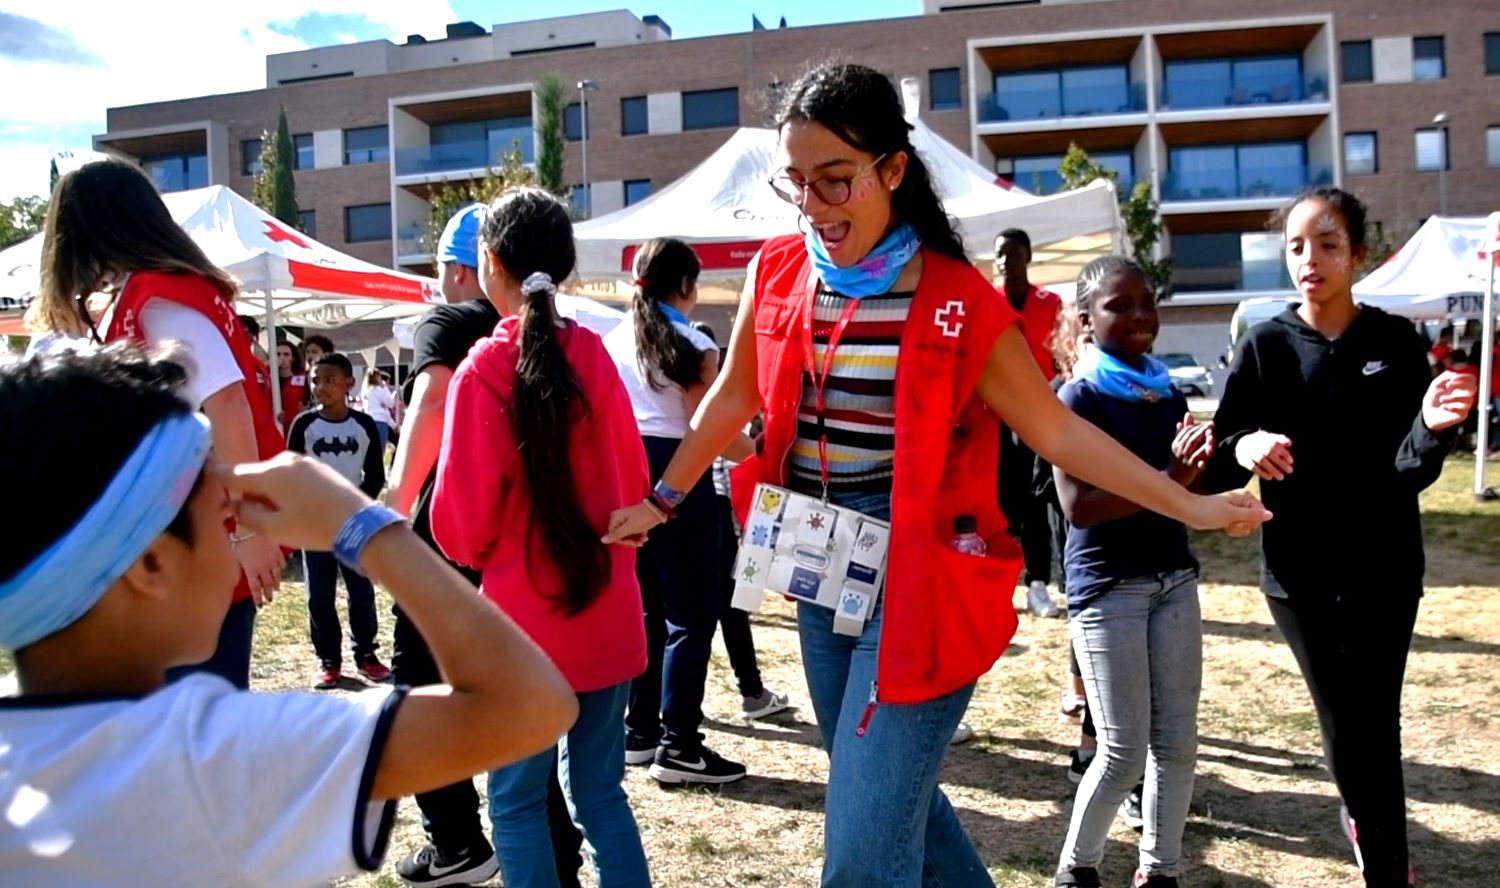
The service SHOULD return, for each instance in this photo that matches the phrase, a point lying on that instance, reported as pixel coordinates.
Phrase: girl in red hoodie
(533, 411)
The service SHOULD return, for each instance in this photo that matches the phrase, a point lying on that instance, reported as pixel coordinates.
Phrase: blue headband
(60, 585)
(873, 275)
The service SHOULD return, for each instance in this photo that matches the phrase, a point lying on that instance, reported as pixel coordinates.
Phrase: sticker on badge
(762, 531)
(816, 526)
(805, 583)
(770, 501)
(851, 603)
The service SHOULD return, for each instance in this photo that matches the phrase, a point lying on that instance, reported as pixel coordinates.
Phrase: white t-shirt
(380, 404)
(659, 414)
(196, 784)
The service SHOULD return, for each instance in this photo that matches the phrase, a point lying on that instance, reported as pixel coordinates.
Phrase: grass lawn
(1264, 812)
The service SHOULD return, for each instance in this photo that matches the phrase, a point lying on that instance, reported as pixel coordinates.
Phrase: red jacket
(1038, 320)
(200, 294)
(482, 506)
(948, 616)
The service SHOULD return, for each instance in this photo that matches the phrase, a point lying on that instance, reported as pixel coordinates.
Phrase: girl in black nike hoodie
(1333, 407)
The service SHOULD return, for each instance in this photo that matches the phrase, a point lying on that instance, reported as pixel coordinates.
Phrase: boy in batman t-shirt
(348, 441)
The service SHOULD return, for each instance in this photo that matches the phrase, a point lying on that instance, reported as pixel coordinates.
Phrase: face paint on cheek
(862, 187)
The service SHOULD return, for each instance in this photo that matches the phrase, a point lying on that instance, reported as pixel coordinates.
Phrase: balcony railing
(1223, 93)
(1228, 184)
(473, 155)
(411, 240)
(1053, 104)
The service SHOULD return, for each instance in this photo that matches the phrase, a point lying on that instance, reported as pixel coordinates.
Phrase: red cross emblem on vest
(950, 318)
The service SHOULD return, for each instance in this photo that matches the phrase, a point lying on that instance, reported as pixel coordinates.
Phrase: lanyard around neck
(820, 378)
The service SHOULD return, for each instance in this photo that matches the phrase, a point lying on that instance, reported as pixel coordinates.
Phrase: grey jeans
(1140, 649)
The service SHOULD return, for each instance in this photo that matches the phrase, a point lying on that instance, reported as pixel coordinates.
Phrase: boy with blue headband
(123, 570)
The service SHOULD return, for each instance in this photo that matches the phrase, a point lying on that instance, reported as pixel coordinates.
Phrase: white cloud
(155, 52)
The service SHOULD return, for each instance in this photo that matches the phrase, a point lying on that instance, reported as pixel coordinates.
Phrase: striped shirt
(860, 397)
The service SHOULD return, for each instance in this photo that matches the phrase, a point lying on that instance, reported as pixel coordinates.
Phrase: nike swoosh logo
(439, 871)
(1374, 367)
(699, 765)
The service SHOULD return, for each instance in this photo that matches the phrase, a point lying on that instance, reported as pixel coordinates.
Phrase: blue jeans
(1140, 649)
(384, 429)
(591, 766)
(231, 659)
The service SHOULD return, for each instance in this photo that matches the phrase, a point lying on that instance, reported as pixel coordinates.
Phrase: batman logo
(335, 446)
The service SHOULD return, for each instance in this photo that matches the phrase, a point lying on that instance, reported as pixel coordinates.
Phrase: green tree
(21, 218)
(1138, 210)
(549, 134)
(52, 177)
(275, 190)
(448, 198)
(1379, 246)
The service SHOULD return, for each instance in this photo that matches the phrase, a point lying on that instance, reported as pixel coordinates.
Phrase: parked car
(1249, 313)
(1190, 377)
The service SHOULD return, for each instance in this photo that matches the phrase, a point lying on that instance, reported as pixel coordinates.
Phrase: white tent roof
(310, 284)
(726, 209)
(1442, 272)
(590, 313)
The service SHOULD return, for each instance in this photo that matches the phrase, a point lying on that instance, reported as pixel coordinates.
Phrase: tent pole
(273, 364)
(1486, 367)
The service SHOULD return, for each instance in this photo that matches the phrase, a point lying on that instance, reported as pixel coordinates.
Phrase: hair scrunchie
(536, 282)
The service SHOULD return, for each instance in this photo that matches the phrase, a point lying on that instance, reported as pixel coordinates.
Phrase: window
(573, 122)
(1427, 58)
(250, 163)
(1254, 80)
(1064, 92)
(637, 190)
(302, 150)
(945, 89)
(1257, 170)
(1359, 154)
(1492, 146)
(1228, 260)
(580, 200)
(368, 222)
(1038, 173)
(307, 220)
(177, 172)
(367, 144)
(1492, 53)
(1432, 150)
(711, 108)
(473, 144)
(634, 119)
(1358, 62)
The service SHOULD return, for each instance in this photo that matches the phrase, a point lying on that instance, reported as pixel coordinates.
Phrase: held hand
(1267, 454)
(1191, 449)
(629, 526)
(1237, 512)
(262, 561)
(1449, 400)
(291, 500)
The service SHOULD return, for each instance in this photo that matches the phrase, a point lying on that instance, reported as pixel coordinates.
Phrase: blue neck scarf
(64, 582)
(1118, 379)
(672, 314)
(873, 275)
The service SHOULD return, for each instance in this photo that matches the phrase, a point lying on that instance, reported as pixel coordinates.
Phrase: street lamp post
(584, 88)
(1441, 122)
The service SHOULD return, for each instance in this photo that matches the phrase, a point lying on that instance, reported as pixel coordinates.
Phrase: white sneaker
(1039, 601)
(768, 703)
(961, 734)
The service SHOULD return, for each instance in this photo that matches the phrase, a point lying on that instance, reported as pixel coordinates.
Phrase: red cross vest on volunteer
(948, 616)
(199, 294)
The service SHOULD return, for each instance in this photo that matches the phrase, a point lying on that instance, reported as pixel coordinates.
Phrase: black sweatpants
(734, 624)
(450, 815)
(1352, 651)
(1025, 512)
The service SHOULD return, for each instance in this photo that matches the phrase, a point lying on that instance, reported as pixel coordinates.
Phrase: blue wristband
(668, 495)
(357, 532)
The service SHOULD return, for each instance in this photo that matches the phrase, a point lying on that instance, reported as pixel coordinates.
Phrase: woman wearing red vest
(108, 232)
(916, 356)
(292, 373)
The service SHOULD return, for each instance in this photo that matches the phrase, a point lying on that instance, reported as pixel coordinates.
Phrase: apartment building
(1222, 110)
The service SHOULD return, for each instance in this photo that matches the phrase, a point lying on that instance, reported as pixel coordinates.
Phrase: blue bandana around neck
(873, 275)
(672, 314)
(1118, 379)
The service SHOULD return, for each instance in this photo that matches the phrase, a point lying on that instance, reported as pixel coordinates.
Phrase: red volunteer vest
(1038, 319)
(202, 296)
(948, 616)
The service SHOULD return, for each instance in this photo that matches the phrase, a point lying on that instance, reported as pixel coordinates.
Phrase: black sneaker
(1078, 766)
(1078, 877)
(429, 867)
(1130, 810)
(699, 766)
(639, 751)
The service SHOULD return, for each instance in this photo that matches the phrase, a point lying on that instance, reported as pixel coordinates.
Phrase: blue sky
(75, 66)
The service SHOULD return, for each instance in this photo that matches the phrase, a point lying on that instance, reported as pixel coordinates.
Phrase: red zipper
(864, 722)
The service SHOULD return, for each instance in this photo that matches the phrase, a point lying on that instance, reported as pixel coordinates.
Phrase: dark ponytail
(661, 267)
(860, 106)
(528, 231)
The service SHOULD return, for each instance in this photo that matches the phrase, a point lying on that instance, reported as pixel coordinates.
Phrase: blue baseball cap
(460, 240)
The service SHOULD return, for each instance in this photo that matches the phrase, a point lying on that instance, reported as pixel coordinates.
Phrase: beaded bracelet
(357, 532)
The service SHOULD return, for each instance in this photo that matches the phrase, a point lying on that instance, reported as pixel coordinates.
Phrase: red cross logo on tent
(950, 318)
(277, 234)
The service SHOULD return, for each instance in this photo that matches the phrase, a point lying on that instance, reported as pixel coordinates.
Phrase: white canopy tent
(1447, 270)
(283, 274)
(588, 312)
(725, 208)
